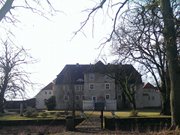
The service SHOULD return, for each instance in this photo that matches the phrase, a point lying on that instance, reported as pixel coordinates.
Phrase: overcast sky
(51, 43)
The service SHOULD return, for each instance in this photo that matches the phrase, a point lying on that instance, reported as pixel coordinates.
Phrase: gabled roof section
(71, 73)
(148, 86)
(48, 87)
(74, 73)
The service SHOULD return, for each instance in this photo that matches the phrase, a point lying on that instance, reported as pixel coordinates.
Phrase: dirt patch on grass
(60, 130)
(31, 130)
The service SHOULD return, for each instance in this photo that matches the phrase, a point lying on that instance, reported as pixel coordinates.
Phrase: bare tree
(139, 39)
(170, 22)
(127, 79)
(169, 34)
(127, 83)
(7, 8)
(14, 79)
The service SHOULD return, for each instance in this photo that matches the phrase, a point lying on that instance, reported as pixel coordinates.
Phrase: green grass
(14, 117)
(126, 114)
(118, 114)
(39, 117)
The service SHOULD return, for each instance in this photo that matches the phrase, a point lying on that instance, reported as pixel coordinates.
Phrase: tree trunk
(165, 110)
(134, 103)
(1, 103)
(172, 58)
(165, 94)
(5, 9)
(123, 101)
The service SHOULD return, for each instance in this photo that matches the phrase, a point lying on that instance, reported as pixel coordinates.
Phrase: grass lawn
(126, 114)
(53, 115)
(40, 115)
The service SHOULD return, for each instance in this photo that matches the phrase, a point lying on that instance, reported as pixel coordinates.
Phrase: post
(73, 105)
(101, 119)
(21, 109)
(70, 121)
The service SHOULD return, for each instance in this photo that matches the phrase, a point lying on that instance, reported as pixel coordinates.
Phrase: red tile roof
(148, 86)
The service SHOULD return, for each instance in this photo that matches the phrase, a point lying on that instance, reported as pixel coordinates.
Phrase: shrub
(30, 112)
(133, 113)
(43, 114)
(51, 103)
(58, 114)
(52, 113)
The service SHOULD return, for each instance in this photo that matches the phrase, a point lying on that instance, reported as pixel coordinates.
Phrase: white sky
(50, 41)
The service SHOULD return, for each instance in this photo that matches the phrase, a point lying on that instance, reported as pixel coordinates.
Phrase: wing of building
(43, 95)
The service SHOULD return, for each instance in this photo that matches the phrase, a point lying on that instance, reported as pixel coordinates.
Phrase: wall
(64, 97)
(99, 90)
(147, 98)
(41, 97)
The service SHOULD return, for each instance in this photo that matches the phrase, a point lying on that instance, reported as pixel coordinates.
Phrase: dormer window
(80, 80)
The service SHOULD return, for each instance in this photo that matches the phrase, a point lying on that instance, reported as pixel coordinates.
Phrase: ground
(59, 130)
(88, 127)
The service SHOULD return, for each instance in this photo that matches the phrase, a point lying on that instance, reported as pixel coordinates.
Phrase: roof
(74, 73)
(48, 87)
(148, 86)
(71, 73)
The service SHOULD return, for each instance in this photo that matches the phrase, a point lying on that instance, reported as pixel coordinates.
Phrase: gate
(92, 122)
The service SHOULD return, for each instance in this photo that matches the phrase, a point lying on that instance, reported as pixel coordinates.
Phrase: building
(16, 105)
(43, 95)
(83, 86)
(148, 96)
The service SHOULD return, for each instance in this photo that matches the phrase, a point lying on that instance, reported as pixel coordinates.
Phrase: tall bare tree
(7, 8)
(139, 39)
(127, 79)
(170, 23)
(13, 77)
(169, 34)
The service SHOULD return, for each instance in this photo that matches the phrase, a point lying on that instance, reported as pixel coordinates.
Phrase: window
(91, 77)
(107, 97)
(119, 97)
(50, 93)
(107, 86)
(153, 98)
(46, 92)
(147, 96)
(66, 97)
(79, 87)
(77, 106)
(83, 97)
(93, 98)
(77, 97)
(45, 100)
(82, 87)
(91, 86)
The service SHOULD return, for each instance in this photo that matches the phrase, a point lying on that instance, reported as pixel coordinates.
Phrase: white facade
(97, 88)
(43, 95)
(148, 97)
